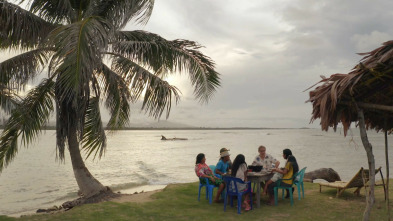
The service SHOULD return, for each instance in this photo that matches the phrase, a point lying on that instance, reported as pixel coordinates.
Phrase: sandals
(247, 206)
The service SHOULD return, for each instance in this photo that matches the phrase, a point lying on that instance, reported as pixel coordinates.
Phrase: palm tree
(88, 60)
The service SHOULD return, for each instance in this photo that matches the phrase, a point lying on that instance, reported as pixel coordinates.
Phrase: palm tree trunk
(371, 165)
(88, 185)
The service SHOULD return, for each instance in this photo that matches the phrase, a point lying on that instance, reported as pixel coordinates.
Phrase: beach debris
(102, 196)
(51, 209)
(327, 174)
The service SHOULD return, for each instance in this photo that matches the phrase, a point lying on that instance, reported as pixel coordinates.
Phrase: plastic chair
(232, 190)
(299, 182)
(289, 188)
(213, 168)
(209, 189)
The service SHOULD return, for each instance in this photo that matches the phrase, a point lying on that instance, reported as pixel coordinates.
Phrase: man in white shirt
(265, 160)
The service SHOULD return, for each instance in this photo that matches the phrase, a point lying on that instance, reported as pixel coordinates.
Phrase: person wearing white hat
(222, 166)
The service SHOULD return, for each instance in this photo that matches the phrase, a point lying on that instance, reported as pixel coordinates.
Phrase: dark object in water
(164, 138)
(255, 168)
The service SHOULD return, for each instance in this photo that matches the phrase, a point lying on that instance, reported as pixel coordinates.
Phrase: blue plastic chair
(289, 188)
(299, 182)
(232, 190)
(209, 189)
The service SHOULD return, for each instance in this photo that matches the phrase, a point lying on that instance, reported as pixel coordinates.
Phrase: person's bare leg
(220, 189)
(266, 186)
(246, 203)
(271, 199)
(271, 196)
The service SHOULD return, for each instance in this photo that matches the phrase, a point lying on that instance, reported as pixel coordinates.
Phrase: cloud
(368, 42)
(268, 53)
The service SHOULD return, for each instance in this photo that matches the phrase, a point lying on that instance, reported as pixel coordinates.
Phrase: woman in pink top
(203, 170)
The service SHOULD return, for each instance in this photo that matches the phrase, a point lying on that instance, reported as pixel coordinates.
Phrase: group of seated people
(240, 169)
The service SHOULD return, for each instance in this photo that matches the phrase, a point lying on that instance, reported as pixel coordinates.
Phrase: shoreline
(139, 194)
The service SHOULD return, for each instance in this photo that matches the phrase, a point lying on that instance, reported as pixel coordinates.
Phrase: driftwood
(99, 197)
(327, 174)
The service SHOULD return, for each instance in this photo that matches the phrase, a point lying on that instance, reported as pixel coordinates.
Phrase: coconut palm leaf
(78, 54)
(55, 11)
(18, 70)
(120, 12)
(158, 93)
(8, 100)
(26, 120)
(158, 54)
(94, 138)
(21, 28)
(117, 96)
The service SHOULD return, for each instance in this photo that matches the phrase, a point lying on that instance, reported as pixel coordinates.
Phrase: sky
(267, 53)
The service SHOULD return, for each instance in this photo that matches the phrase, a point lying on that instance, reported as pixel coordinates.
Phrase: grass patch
(179, 202)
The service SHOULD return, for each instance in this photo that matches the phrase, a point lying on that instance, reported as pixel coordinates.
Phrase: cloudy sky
(267, 52)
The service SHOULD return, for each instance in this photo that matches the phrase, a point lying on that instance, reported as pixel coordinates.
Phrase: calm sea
(137, 160)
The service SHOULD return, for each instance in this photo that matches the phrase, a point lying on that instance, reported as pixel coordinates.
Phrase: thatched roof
(335, 98)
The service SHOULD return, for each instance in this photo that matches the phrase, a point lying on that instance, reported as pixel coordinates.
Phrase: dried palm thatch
(369, 84)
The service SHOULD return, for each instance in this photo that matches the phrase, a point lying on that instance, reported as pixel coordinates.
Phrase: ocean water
(137, 160)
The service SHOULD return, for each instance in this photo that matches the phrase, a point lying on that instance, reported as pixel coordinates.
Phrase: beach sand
(139, 194)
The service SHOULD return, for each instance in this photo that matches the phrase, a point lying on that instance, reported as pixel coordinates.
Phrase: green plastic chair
(299, 182)
(289, 188)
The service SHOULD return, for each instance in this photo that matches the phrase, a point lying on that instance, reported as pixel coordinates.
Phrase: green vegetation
(179, 202)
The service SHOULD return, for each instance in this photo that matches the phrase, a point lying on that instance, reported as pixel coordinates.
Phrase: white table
(258, 178)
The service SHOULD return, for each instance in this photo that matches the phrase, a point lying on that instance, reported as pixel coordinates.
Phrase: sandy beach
(141, 197)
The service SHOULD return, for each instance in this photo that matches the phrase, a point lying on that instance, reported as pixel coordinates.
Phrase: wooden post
(370, 199)
(387, 171)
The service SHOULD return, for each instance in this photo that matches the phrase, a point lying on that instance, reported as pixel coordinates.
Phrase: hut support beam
(370, 199)
(387, 171)
(375, 106)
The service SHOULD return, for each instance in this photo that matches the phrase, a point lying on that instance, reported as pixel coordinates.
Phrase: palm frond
(18, 70)
(117, 98)
(26, 121)
(336, 99)
(21, 29)
(94, 139)
(54, 11)
(120, 12)
(78, 54)
(8, 99)
(159, 54)
(8, 146)
(158, 94)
